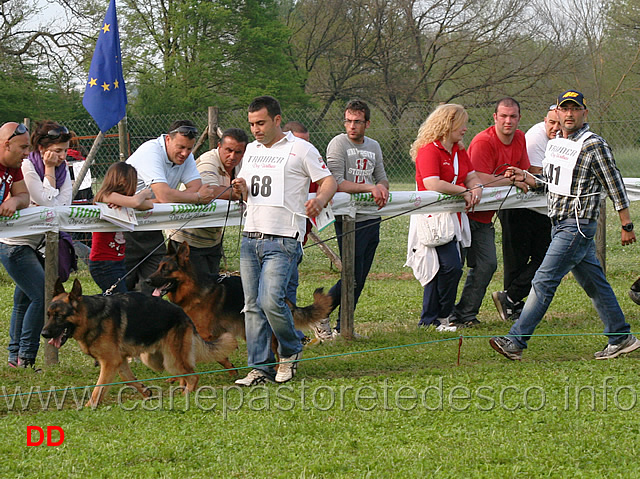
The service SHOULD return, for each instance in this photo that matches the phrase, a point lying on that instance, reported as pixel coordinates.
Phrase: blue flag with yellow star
(105, 96)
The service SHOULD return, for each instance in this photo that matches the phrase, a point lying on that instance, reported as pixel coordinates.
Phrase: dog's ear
(183, 253)
(58, 288)
(76, 290)
(170, 248)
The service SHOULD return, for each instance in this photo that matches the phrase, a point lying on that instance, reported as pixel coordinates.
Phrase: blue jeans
(439, 294)
(27, 317)
(571, 251)
(106, 273)
(367, 237)
(266, 266)
(482, 261)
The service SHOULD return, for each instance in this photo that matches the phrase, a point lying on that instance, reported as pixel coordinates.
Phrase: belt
(581, 221)
(264, 236)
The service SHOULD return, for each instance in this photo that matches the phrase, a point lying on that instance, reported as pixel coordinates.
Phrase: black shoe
(506, 347)
(464, 323)
(635, 296)
(29, 363)
(506, 308)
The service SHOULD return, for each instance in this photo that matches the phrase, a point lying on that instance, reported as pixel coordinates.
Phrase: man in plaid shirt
(577, 168)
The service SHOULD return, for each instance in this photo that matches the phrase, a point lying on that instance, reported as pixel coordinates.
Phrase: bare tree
(45, 45)
(333, 42)
(400, 53)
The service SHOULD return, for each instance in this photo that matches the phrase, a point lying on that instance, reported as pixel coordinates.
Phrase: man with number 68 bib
(578, 167)
(274, 180)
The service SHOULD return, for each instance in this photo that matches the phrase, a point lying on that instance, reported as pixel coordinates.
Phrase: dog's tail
(320, 309)
(218, 350)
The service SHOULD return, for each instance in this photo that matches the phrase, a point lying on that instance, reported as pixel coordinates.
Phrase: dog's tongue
(57, 342)
(157, 292)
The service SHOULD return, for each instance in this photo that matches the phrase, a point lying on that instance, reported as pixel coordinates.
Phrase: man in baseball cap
(574, 96)
(577, 168)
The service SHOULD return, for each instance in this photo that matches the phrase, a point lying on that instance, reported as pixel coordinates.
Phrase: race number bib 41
(559, 163)
(263, 170)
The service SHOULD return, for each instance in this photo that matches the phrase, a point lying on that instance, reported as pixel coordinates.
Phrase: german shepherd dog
(216, 306)
(111, 329)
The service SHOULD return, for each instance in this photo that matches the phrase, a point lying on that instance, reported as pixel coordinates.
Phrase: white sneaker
(445, 326)
(322, 330)
(631, 343)
(255, 377)
(287, 368)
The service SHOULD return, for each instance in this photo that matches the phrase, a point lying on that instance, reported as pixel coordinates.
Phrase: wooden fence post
(50, 277)
(347, 302)
(213, 127)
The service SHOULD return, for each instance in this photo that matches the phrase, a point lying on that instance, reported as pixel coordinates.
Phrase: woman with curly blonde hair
(442, 165)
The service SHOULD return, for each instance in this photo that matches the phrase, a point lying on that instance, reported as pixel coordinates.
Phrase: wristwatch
(628, 227)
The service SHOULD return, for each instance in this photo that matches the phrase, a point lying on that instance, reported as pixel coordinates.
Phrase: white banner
(173, 216)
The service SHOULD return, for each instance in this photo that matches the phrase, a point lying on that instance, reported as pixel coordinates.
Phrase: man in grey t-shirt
(355, 161)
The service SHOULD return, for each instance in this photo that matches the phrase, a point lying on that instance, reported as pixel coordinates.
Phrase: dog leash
(109, 291)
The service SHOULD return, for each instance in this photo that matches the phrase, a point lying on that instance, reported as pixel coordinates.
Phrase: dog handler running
(577, 168)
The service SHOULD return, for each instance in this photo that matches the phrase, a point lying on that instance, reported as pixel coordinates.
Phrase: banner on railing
(220, 213)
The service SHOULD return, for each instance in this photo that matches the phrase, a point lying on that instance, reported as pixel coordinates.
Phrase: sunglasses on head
(56, 133)
(21, 129)
(188, 131)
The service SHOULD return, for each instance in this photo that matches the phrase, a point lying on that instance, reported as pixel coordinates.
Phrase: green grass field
(394, 405)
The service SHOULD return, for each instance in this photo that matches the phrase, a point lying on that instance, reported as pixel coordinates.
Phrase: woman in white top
(47, 178)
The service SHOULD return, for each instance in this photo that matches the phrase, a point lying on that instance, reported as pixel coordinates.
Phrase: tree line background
(403, 57)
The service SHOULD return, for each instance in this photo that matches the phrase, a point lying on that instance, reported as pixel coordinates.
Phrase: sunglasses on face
(56, 133)
(21, 129)
(188, 131)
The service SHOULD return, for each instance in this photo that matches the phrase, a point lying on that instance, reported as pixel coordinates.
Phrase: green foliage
(24, 95)
(223, 53)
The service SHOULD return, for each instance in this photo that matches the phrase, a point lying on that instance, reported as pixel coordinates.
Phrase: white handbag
(435, 229)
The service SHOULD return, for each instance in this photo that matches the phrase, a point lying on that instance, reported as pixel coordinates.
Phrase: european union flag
(105, 96)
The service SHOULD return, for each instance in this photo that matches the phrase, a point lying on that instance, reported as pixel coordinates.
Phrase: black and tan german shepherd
(111, 329)
(216, 307)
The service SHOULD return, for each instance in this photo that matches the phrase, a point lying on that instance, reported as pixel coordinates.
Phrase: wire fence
(618, 123)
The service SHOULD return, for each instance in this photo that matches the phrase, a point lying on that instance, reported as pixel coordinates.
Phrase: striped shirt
(594, 172)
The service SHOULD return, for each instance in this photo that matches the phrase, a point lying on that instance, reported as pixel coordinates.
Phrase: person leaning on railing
(442, 165)
(47, 179)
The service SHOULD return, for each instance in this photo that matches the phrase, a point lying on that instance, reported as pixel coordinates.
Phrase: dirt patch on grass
(401, 276)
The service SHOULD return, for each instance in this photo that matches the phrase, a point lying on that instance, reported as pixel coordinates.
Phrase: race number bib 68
(263, 169)
(261, 186)
(559, 163)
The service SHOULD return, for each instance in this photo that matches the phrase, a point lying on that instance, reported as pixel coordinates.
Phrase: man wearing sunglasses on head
(14, 148)
(162, 165)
